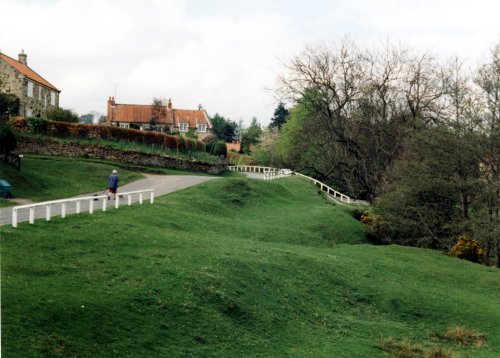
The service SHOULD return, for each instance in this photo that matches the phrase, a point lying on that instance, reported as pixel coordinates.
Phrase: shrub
(61, 115)
(377, 229)
(468, 249)
(36, 125)
(77, 130)
(357, 214)
(8, 141)
(220, 148)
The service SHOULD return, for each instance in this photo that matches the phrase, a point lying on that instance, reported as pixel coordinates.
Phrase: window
(124, 125)
(202, 128)
(183, 127)
(53, 98)
(29, 89)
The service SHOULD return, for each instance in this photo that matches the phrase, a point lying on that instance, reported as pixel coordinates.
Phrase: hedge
(77, 130)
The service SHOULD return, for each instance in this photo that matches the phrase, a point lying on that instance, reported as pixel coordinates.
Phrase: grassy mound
(230, 268)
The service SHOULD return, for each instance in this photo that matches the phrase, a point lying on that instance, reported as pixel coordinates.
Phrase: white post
(130, 199)
(32, 215)
(104, 201)
(47, 212)
(140, 198)
(14, 218)
(117, 202)
(91, 206)
(63, 209)
(152, 197)
(78, 206)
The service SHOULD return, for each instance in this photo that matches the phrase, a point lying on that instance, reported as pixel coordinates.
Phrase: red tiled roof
(28, 72)
(133, 113)
(137, 113)
(192, 117)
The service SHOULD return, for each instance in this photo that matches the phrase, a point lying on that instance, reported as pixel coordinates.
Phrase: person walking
(113, 184)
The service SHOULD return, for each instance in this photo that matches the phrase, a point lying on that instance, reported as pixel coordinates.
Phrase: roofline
(51, 85)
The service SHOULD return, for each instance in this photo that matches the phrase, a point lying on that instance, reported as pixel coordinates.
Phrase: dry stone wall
(31, 145)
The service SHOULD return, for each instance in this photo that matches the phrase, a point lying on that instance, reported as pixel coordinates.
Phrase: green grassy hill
(234, 268)
(45, 178)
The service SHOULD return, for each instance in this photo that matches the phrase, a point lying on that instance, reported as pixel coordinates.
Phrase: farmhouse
(177, 120)
(35, 93)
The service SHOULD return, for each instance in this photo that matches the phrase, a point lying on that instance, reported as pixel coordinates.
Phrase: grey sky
(220, 53)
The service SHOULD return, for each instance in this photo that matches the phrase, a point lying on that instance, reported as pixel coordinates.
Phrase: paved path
(162, 184)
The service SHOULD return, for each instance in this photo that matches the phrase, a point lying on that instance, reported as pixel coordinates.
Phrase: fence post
(14, 217)
(140, 198)
(104, 201)
(129, 199)
(78, 207)
(32, 215)
(91, 206)
(63, 209)
(152, 197)
(117, 202)
(47, 212)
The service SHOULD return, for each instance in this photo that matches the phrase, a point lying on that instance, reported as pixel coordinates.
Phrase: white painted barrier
(336, 195)
(48, 204)
(63, 202)
(275, 173)
(129, 195)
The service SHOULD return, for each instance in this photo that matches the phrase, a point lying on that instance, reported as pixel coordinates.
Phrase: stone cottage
(177, 120)
(35, 93)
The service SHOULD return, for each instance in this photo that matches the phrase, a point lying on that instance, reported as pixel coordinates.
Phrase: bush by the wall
(77, 130)
(220, 148)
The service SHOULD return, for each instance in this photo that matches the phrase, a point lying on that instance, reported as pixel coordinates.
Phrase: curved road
(162, 184)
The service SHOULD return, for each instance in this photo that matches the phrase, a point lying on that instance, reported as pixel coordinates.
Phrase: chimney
(200, 107)
(23, 58)
(170, 113)
(111, 110)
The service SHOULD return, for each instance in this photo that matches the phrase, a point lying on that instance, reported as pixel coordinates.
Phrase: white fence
(336, 195)
(250, 168)
(269, 172)
(64, 202)
(275, 173)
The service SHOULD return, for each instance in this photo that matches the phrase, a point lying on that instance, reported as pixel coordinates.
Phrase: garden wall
(82, 150)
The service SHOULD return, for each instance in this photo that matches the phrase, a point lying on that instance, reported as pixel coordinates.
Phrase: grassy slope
(230, 268)
(44, 177)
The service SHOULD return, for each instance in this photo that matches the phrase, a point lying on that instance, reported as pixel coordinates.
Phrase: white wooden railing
(275, 173)
(336, 195)
(129, 195)
(49, 204)
(250, 168)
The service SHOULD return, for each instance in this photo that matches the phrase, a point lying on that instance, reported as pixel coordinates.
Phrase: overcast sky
(223, 54)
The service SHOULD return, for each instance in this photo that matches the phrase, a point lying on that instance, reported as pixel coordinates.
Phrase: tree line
(418, 138)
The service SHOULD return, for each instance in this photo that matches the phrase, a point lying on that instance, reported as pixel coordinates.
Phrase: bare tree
(488, 79)
(158, 112)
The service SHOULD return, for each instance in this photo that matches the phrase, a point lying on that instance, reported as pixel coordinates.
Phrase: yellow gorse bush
(467, 248)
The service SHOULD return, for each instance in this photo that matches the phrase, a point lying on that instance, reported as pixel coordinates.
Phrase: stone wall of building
(31, 145)
(12, 81)
(15, 82)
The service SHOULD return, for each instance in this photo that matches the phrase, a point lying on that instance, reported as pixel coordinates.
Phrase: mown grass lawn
(232, 268)
(45, 177)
